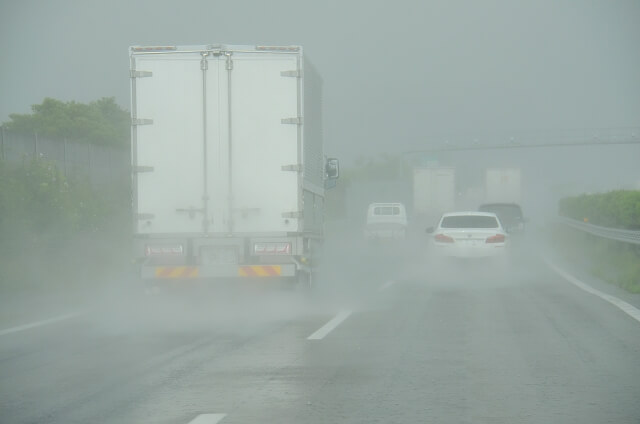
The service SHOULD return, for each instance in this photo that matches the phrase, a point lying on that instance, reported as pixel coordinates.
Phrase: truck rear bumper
(218, 271)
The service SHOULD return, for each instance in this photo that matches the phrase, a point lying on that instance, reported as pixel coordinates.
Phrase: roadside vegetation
(57, 231)
(101, 122)
(615, 209)
(610, 260)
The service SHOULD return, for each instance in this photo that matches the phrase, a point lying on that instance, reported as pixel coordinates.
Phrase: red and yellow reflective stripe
(260, 271)
(176, 272)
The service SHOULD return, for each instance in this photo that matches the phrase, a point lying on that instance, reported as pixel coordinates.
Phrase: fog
(550, 89)
(394, 76)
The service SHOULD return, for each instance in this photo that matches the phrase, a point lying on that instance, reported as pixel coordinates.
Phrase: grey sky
(395, 72)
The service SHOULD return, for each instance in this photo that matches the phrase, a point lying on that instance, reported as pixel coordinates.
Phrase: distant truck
(434, 193)
(503, 185)
(228, 165)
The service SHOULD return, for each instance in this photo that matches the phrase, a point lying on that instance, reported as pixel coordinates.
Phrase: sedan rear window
(469, 221)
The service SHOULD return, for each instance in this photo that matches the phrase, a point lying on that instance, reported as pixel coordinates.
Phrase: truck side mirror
(332, 169)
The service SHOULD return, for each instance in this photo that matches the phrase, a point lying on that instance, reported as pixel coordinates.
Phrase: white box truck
(385, 221)
(228, 166)
(502, 185)
(434, 192)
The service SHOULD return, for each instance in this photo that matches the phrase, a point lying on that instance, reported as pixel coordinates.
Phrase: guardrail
(627, 236)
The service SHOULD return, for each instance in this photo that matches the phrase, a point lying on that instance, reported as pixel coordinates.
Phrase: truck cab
(386, 221)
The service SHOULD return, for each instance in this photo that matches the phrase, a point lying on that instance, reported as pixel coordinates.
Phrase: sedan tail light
(441, 238)
(498, 238)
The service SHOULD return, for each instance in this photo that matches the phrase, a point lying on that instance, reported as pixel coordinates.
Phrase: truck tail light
(164, 250)
(272, 248)
(153, 48)
(498, 238)
(279, 48)
(441, 238)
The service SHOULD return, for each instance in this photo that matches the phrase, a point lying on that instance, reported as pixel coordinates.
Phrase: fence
(626, 236)
(100, 165)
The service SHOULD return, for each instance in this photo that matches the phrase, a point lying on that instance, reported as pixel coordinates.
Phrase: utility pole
(64, 155)
(35, 145)
(2, 142)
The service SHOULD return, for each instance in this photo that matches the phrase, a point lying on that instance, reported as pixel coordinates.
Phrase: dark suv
(509, 214)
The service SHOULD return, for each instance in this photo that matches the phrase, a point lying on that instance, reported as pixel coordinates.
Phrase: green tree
(99, 122)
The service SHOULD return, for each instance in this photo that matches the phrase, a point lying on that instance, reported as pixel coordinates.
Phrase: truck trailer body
(228, 167)
(434, 193)
(503, 185)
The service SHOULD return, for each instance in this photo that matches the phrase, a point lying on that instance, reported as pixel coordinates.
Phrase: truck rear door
(168, 98)
(266, 128)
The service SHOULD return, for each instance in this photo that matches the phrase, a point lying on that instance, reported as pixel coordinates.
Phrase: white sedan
(469, 235)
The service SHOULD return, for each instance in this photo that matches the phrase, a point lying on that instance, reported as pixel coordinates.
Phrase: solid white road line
(330, 326)
(628, 309)
(40, 323)
(207, 419)
(386, 285)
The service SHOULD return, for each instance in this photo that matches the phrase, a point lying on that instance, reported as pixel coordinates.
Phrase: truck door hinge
(294, 74)
(140, 74)
(295, 215)
(295, 168)
(295, 121)
(141, 168)
(145, 216)
(141, 121)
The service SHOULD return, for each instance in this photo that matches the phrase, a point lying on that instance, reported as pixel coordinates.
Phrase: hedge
(45, 219)
(615, 209)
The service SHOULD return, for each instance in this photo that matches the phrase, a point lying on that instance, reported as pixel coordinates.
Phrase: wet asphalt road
(458, 343)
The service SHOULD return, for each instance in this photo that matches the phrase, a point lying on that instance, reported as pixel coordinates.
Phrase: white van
(386, 221)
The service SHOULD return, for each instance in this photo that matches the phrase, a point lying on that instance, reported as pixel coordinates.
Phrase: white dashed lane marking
(330, 326)
(40, 323)
(207, 419)
(386, 285)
